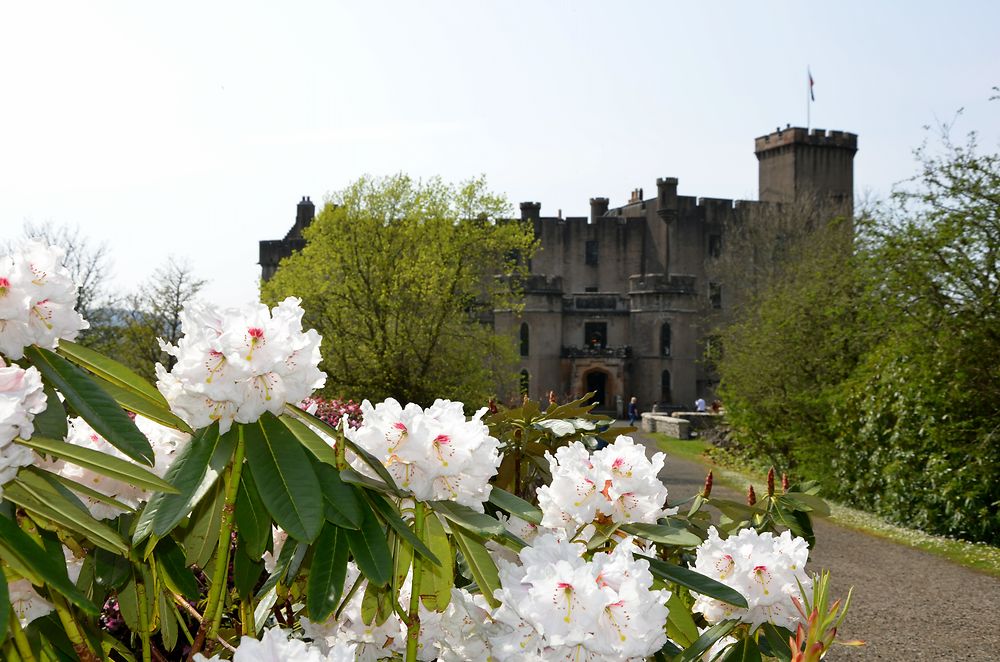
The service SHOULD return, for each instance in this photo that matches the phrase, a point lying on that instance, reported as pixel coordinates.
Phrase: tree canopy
(401, 277)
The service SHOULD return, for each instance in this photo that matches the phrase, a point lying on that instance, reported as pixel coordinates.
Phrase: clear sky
(193, 128)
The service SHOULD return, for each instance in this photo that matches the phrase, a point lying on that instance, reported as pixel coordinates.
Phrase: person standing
(699, 404)
(633, 410)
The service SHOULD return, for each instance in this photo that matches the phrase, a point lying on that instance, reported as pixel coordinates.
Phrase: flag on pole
(812, 95)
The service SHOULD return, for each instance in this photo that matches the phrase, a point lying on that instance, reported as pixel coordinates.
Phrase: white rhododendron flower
(279, 537)
(37, 300)
(436, 453)
(276, 646)
(237, 363)
(467, 628)
(164, 441)
(376, 641)
(558, 605)
(764, 568)
(21, 398)
(617, 482)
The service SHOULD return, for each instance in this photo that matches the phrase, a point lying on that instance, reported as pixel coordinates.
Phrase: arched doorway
(597, 381)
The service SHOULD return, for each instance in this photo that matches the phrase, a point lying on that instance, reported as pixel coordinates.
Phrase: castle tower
(794, 162)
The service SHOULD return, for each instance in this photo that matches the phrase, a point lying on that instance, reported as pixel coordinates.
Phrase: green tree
(401, 278)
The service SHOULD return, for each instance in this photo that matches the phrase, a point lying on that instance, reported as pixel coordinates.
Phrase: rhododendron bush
(228, 512)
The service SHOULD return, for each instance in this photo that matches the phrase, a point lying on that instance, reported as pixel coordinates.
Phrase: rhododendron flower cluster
(557, 605)
(436, 453)
(276, 646)
(617, 482)
(766, 569)
(165, 442)
(237, 363)
(37, 300)
(21, 398)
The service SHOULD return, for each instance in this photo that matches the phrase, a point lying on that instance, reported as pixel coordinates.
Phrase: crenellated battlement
(803, 136)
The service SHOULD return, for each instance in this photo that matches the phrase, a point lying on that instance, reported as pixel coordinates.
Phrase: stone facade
(616, 303)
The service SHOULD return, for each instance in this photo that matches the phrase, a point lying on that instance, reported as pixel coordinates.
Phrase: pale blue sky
(194, 128)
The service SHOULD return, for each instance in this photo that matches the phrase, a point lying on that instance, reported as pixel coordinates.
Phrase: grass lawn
(977, 556)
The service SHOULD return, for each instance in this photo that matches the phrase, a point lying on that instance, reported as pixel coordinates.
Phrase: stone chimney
(305, 212)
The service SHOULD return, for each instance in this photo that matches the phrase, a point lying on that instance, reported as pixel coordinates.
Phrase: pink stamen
(255, 332)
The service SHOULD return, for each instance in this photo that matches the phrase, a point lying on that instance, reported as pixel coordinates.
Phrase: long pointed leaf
(92, 403)
(695, 581)
(16, 545)
(435, 587)
(109, 369)
(392, 518)
(677, 536)
(193, 472)
(481, 524)
(4, 600)
(370, 551)
(252, 519)
(172, 566)
(515, 505)
(339, 496)
(135, 403)
(327, 572)
(51, 422)
(310, 440)
(101, 463)
(745, 650)
(480, 563)
(285, 479)
(694, 652)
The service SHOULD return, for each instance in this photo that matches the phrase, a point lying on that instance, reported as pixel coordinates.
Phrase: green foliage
(875, 369)
(399, 277)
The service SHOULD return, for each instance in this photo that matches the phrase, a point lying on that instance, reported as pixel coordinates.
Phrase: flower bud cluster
(21, 398)
(617, 482)
(37, 300)
(764, 568)
(557, 605)
(437, 454)
(237, 363)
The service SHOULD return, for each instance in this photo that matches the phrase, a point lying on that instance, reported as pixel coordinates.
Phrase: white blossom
(466, 627)
(21, 399)
(28, 604)
(276, 646)
(764, 568)
(237, 363)
(557, 605)
(37, 300)
(617, 482)
(437, 454)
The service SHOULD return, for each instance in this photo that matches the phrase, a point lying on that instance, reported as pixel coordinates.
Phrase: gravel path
(907, 605)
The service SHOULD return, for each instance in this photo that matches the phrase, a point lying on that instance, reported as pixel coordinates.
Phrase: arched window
(525, 382)
(665, 339)
(665, 387)
(524, 338)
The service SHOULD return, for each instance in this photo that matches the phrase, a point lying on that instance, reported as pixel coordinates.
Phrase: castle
(616, 303)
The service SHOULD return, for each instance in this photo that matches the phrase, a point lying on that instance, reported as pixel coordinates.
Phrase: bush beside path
(908, 604)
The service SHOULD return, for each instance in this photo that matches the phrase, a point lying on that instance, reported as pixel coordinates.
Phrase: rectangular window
(591, 253)
(714, 245)
(715, 294)
(595, 335)
(590, 289)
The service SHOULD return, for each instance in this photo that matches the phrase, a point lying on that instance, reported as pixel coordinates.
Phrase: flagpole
(808, 99)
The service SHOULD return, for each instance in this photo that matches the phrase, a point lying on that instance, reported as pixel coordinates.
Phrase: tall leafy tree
(401, 277)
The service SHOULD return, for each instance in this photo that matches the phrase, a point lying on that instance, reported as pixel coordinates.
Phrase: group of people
(699, 405)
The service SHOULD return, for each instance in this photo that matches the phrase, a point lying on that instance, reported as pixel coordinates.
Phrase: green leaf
(79, 489)
(515, 505)
(602, 532)
(92, 403)
(437, 581)
(110, 370)
(136, 404)
(101, 463)
(246, 571)
(327, 572)
(694, 652)
(311, 441)
(51, 422)
(340, 497)
(376, 605)
(468, 518)
(168, 622)
(201, 536)
(803, 501)
(285, 478)
(775, 642)
(252, 519)
(4, 601)
(370, 551)
(694, 581)
(193, 472)
(36, 495)
(17, 548)
(666, 534)
(680, 625)
(393, 519)
(111, 570)
(480, 563)
(351, 476)
(172, 566)
(745, 650)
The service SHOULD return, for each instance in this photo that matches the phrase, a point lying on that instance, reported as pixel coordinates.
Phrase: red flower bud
(493, 406)
(751, 496)
(784, 483)
(707, 490)
(770, 482)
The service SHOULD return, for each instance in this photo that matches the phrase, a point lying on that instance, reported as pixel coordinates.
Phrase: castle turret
(530, 211)
(305, 212)
(598, 208)
(794, 162)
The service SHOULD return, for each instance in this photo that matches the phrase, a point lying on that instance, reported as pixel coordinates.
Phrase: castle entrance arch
(597, 381)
